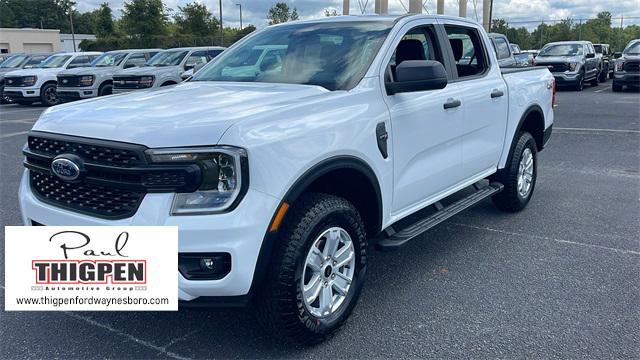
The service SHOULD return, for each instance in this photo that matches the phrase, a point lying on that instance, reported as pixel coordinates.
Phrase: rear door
(485, 103)
(426, 136)
(591, 63)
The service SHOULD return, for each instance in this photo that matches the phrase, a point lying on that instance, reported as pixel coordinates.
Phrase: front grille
(555, 67)
(114, 176)
(86, 198)
(89, 152)
(127, 82)
(632, 66)
(68, 80)
(13, 80)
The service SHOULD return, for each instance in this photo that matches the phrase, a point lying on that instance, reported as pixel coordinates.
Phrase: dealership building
(38, 40)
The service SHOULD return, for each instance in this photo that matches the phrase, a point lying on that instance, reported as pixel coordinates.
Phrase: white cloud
(255, 11)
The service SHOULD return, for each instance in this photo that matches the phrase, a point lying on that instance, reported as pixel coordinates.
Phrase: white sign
(91, 268)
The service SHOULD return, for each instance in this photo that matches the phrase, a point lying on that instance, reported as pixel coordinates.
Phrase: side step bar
(395, 240)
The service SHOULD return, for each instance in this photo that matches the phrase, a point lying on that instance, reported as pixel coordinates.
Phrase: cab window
(196, 57)
(134, 60)
(417, 44)
(80, 61)
(467, 50)
(502, 48)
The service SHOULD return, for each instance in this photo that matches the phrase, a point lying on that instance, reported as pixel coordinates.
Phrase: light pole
(73, 34)
(240, 5)
(221, 28)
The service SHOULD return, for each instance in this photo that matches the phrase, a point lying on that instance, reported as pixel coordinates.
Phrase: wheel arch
(313, 180)
(532, 121)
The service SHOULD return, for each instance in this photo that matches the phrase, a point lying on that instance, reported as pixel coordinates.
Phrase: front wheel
(317, 270)
(48, 95)
(519, 175)
(580, 83)
(106, 89)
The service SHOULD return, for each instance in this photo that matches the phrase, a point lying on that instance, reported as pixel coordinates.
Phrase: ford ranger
(38, 84)
(165, 68)
(16, 62)
(371, 131)
(97, 80)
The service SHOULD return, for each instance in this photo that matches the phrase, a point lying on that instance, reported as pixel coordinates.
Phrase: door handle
(451, 103)
(496, 93)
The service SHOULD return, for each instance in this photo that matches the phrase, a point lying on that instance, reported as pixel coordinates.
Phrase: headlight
(619, 66)
(573, 66)
(29, 80)
(225, 177)
(146, 81)
(86, 80)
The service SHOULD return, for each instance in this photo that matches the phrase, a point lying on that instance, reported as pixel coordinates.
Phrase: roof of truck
(378, 18)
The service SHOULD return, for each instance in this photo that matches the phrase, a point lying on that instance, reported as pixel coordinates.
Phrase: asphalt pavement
(560, 279)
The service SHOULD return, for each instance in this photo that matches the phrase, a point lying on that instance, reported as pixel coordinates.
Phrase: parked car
(15, 62)
(502, 50)
(38, 84)
(278, 181)
(165, 68)
(603, 52)
(97, 80)
(571, 62)
(627, 67)
(265, 58)
(3, 57)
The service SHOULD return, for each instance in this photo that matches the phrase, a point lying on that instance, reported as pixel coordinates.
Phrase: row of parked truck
(54, 78)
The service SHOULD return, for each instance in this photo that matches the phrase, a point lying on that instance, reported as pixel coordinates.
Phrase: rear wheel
(317, 270)
(519, 175)
(48, 95)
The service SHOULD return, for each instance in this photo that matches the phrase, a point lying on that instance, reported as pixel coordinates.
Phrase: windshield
(633, 49)
(54, 61)
(561, 50)
(167, 58)
(13, 61)
(109, 59)
(332, 55)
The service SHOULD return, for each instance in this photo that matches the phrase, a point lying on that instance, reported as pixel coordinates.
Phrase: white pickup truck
(280, 179)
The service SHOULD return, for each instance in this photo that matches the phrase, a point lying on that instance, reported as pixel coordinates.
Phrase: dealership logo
(94, 268)
(65, 169)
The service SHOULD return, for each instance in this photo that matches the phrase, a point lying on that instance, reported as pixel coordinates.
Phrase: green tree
(145, 21)
(280, 13)
(196, 19)
(104, 21)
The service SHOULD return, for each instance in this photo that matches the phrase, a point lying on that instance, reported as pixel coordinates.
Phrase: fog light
(204, 266)
(207, 264)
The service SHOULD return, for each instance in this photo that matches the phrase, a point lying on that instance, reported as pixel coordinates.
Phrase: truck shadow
(234, 333)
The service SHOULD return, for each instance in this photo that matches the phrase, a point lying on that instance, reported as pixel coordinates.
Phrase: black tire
(579, 86)
(105, 89)
(616, 87)
(48, 96)
(604, 74)
(510, 199)
(596, 80)
(280, 306)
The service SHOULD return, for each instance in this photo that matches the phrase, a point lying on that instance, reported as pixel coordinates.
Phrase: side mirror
(417, 75)
(617, 55)
(590, 55)
(188, 66)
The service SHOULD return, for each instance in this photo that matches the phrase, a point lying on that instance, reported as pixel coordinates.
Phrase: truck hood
(3, 71)
(35, 72)
(150, 70)
(630, 57)
(89, 70)
(190, 114)
(558, 59)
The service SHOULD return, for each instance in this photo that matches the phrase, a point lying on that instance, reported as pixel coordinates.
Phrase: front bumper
(565, 78)
(624, 78)
(76, 93)
(19, 93)
(239, 233)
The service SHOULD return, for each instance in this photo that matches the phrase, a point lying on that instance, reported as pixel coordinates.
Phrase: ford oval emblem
(65, 169)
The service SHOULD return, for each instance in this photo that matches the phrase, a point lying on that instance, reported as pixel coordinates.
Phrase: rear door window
(468, 51)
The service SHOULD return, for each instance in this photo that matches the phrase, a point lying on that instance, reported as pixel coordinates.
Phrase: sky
(517, 12)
